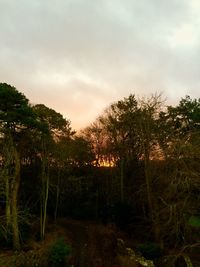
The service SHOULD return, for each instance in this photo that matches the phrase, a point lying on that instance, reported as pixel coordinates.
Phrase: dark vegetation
(67, 198)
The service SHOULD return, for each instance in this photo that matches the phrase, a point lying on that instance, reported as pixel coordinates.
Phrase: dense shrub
(123, 215)
(150, 250)
(6, 234)
(194, 221)
(25, 231)
(5, 237)
(58, 253)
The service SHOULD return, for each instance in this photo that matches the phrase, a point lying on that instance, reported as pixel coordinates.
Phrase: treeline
(156, 151)
(137, 165)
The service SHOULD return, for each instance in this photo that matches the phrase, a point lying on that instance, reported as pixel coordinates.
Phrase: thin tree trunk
(97, 205)
(45, 207)
(8, 150)
(15, 189)
(41, 217)
(151, 201)
(8, 202)
(122, 180)
(148, 184)
(57, 196)
(44, 193)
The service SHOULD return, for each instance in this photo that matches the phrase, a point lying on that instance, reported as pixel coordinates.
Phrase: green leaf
(194, 221)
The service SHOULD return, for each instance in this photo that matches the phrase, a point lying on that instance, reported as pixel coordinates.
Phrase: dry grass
(93, 245)
(34, 253)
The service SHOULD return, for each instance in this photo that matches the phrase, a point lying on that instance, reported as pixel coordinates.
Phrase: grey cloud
(68, 53)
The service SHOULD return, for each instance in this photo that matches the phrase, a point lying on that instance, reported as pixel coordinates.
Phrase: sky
(79, 56)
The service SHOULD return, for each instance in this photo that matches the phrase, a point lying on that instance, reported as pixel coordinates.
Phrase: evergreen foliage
(59, 253)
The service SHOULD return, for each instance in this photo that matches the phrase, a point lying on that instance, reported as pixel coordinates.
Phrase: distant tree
(96, 135)
(147, 126)
(54, 127)
(120, 121)
(68, 154)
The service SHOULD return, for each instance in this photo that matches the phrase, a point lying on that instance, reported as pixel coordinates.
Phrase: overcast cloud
(78, 56)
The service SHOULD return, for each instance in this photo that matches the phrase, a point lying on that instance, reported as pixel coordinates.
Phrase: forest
(122, 192)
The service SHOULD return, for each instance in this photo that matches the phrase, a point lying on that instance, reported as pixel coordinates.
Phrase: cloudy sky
(78, 56)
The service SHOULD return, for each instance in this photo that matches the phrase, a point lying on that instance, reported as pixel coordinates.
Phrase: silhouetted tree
(54, 127)
(16, 117)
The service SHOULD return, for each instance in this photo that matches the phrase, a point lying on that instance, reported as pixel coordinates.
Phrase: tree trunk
(15, 189)
(57, 196)
(45, 192)
(148, 183)
(45, 201)
(122, 179)
(8, 157)
(152, 205)
(8, 202)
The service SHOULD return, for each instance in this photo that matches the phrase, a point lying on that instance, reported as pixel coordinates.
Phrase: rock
(183, 261)
(141, 260)
(132, 255)
(121, 248)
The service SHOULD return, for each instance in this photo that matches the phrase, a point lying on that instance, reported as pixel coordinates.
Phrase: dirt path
(79, 235)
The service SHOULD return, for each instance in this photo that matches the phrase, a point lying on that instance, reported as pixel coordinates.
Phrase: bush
(58, 253)
(150, 250)
(25, 231)
(194, 221)
(123, 215)
(5, 237)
